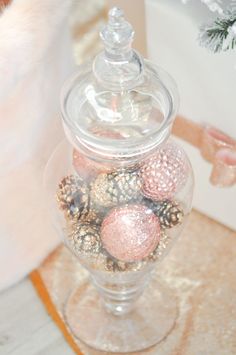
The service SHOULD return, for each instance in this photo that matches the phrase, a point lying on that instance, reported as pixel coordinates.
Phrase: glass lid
(119, 105)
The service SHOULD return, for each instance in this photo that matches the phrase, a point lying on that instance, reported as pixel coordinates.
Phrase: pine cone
(111, 189)
(90, 215)
(169, 212)
(115, 265)
(85, 239)
(72, 196)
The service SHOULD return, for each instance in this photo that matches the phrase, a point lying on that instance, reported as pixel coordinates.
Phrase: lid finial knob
(116, 14)
(118, 34)
(118, 66)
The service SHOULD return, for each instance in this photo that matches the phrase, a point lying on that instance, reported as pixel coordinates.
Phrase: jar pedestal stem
(124, 324)
(119, 298)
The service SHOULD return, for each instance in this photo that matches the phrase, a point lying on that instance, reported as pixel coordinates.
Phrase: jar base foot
(151, 320)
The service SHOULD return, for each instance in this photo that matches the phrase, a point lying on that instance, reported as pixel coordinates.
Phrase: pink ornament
(131, 232)
(85, 167)
(164, 173)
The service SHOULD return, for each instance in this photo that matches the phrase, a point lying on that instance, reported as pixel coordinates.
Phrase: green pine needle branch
(220, 35)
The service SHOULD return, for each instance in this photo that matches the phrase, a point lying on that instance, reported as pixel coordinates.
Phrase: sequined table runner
(201, 270)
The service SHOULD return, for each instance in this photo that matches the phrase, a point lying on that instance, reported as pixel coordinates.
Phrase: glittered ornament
(113, 265)
(84, 239)
(130, 232)
(164, 173)
(169, 212)
(87, 168)
(111, 189)
(72, 196)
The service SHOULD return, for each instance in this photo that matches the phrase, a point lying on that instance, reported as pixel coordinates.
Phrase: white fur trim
(35, 59)
(27, 29)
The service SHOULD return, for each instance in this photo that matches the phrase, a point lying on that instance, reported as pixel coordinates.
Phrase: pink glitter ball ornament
(164, 173)
(87, 168)
(131, 232)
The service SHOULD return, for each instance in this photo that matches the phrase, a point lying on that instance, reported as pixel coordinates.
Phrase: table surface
(25, 326)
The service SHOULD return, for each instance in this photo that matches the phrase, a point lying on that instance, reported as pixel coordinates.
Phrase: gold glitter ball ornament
(115, 188)
(72, 196)
(84, 239)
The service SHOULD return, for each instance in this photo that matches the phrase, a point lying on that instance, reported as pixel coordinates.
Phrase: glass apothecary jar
(120, 193)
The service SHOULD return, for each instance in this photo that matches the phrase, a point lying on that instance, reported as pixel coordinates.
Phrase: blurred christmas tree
(220, 34)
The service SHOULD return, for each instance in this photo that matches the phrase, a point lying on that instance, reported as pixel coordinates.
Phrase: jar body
(120, 219)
